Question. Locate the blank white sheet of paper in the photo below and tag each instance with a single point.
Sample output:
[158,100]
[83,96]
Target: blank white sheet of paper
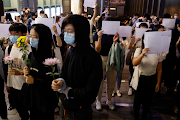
[4,30]
[125,31]
[110,27]
[140,31]
[168,22]
[156,42]
[46,21]
[138,23]
[90,3]
[33,22]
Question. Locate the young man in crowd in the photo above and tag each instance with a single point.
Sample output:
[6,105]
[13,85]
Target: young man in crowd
[16,79]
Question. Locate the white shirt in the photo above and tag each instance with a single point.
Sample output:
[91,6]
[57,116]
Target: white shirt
[16,81]
[149,62]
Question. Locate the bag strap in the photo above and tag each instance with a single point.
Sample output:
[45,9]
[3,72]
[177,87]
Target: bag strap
[9,49]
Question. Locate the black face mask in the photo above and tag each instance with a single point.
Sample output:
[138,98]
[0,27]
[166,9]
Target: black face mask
[160,23]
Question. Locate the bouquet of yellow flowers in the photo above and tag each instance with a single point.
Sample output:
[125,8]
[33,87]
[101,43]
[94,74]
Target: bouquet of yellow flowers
[21,41]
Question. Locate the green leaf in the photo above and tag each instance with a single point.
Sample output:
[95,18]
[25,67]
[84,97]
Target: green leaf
[53,69]
[28,61]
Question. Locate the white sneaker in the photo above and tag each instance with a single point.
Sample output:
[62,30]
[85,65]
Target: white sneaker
[113,94]
[111,106]
[98,105]
[119,93]
[130,91]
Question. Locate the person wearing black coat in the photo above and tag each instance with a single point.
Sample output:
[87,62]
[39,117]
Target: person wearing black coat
[82,72]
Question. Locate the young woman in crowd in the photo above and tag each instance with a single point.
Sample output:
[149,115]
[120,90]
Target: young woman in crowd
[150,66]
[8,18]
[103,43]
[82,71]
[42,98]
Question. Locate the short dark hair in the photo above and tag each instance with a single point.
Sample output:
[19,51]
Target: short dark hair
[42,12]
[84,12]
[8,17]
[157,27]
[18,27]
[147,16]
[143,25]
[167,15]
[136,14]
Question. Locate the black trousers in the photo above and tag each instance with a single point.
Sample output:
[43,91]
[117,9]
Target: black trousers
[178,100]
[144,95]
[23,112]
[3,107]
[36,114]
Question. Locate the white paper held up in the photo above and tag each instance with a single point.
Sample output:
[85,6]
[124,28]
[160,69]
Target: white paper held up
[168,22]
[90,3]
[46,21]
[110,27]
[125,31]
[4,30]
[140,31]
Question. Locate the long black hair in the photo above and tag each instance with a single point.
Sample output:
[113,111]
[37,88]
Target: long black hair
[82,29]
[45,41]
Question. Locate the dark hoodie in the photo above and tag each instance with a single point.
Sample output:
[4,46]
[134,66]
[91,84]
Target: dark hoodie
[82,70]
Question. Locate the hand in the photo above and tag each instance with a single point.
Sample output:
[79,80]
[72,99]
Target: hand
[54,29]
[145,50]
[26,71]
[157,88]
[29,79]
[116,37]
[96,4]
[137,40]
[56,85]
[100,33]
[13,72]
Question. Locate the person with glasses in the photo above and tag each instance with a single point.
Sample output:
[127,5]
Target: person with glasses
[81,73]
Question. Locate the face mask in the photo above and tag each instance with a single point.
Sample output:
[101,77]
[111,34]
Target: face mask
[14,39]
[69,38]
[25,18]
[160,23]
[34,42]
[175,16]
[26,11]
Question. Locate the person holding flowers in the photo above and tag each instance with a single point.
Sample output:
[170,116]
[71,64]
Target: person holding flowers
[15,78]
[81,73]
[40,73]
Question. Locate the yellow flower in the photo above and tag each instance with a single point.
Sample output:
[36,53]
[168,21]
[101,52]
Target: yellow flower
[24,50]
[21,39]
[25,43]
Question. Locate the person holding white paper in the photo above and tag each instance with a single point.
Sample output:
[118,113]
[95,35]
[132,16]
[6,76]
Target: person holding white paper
[149,80]
[91,22]
[103,43]
[138,42]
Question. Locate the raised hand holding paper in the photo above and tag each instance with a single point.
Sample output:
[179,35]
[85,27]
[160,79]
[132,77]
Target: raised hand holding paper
[125,31]
[157,42]
[140,31]
[90,3]
[110,27]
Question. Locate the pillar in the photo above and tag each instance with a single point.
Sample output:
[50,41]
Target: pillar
[1,9]
[76,6]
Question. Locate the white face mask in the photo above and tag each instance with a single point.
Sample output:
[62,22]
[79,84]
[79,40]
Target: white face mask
[175,16]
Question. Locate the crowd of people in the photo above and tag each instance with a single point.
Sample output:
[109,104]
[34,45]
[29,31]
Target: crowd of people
[89,57]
